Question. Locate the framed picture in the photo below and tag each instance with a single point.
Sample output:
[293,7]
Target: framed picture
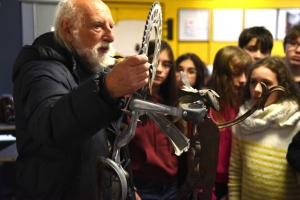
[287,18]
[261,17]
[227,24]
[193,25]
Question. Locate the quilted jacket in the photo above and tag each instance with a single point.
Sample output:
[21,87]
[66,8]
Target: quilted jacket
[61,115]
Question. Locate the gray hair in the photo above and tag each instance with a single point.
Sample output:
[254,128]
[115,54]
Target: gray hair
[66,9]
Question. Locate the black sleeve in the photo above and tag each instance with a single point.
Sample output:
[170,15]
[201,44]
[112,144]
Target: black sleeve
[293,154]
[103,92]
[60,112]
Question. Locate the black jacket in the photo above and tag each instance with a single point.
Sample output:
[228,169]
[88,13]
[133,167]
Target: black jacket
[60,122]
[293,154]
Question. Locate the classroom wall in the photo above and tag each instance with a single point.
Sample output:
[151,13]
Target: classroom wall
[11,23]
[207,49]
[10,41]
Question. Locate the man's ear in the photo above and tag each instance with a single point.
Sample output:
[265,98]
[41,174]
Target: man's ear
[65,27]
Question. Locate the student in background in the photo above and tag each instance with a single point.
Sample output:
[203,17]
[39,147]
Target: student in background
[194,69]
[153,161]
[258,167]
[292,52]
[228,79]
[257,41]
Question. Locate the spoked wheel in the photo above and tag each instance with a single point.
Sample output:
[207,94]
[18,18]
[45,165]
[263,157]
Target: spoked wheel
[114,177]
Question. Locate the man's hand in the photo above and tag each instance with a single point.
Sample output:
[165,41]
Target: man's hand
[128,76]
[137,196]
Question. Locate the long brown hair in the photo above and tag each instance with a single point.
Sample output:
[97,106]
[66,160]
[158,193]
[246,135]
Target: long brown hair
[168,88]
[228,61]
[200,68]
[284,78]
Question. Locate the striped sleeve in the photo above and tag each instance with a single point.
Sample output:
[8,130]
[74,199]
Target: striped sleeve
[235,168]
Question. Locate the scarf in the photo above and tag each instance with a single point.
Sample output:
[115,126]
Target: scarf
[279,115]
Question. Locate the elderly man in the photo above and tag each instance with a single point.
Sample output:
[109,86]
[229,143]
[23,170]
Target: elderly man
[291,47]
[66,95]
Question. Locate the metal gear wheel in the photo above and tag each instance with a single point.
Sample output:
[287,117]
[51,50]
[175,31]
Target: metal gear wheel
[112,169]
[153,22]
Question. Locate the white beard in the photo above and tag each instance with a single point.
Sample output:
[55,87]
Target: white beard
[91,57]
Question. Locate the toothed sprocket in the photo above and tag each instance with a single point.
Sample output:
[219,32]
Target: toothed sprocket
[154,21]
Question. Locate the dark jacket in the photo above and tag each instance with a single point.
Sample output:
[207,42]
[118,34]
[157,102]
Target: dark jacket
[293,154]
[60,121]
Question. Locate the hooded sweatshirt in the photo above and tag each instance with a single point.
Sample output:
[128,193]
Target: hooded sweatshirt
[152,154]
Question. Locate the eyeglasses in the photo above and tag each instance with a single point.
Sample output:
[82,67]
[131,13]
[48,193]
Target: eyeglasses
[164,63]
[293,45]
[190,71]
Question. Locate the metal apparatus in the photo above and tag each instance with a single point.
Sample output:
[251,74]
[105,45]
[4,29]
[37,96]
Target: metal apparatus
[113,167]
[203,145]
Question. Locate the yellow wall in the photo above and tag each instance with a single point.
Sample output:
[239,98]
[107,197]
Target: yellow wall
[206,50]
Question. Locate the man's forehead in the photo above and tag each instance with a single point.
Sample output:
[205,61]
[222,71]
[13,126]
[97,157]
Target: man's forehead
[96,9]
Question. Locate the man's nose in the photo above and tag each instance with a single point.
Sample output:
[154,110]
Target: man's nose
[108,35]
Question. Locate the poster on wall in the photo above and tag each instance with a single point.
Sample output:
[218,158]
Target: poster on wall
[287,18]
[227,24]
[193,25]
[261,17]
